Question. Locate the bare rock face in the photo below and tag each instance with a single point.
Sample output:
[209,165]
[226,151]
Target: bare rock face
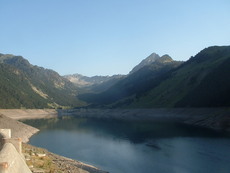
[18,129]
[150,59]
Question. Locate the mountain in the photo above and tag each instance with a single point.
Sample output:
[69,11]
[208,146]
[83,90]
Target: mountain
[84,81]
[94,83]
[147,61]
[139,80]
[28,86]
[202,81]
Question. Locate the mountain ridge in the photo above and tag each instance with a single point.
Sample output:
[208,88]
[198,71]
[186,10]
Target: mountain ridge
[134,82]
[151,59]
[81,80]
[31,86]
[184,87]
[202,81]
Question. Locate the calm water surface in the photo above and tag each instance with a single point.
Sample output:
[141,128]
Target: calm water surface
[135,147]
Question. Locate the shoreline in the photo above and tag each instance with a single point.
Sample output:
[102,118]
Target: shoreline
[9,120]
[22,114]
[18,129]
[213,118]
[40,159]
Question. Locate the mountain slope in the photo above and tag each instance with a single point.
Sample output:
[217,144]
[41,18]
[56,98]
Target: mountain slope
[94,83]
[202,81]
[15,91]
[147,61]
[214,89]
[25,85]
[84,81]
[135,83]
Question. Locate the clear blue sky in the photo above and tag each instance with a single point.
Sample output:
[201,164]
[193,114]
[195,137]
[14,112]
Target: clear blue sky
[105,37]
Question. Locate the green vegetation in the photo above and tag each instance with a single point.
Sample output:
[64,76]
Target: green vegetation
[134,84]
[202,81]
[23,85]
[15,91]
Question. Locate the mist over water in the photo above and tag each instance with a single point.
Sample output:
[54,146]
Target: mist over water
[135,146]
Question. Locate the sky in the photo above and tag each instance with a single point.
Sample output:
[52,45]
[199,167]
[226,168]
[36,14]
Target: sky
[107,37]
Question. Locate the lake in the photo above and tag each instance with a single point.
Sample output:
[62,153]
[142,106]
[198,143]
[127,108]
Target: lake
[135,146]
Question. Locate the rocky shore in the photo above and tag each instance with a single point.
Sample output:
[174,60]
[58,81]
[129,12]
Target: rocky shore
[213,118]
[41,160]
[29,113]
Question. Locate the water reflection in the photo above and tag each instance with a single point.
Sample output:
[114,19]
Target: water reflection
[135,131]
[135,146]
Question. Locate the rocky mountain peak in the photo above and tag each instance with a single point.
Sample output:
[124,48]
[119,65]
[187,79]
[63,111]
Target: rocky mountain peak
[165,58]
[4,57]
[149,60]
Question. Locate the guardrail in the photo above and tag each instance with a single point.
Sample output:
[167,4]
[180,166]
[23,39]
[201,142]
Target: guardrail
[11,158]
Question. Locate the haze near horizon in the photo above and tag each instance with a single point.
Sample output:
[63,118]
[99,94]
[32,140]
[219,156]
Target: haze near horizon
[109,37]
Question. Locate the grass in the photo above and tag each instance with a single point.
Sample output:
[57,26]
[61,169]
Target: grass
[35,162]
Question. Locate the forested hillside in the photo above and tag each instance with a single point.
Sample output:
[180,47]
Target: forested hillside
[142,78]
[26,86]
[202,81]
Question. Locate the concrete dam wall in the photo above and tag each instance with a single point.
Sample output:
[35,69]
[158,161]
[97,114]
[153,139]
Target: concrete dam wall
[11,158]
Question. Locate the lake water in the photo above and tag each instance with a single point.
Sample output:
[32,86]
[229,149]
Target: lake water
[135,147]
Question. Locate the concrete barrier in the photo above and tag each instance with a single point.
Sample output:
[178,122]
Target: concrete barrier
[11,158]
[11,161]
[6,133]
